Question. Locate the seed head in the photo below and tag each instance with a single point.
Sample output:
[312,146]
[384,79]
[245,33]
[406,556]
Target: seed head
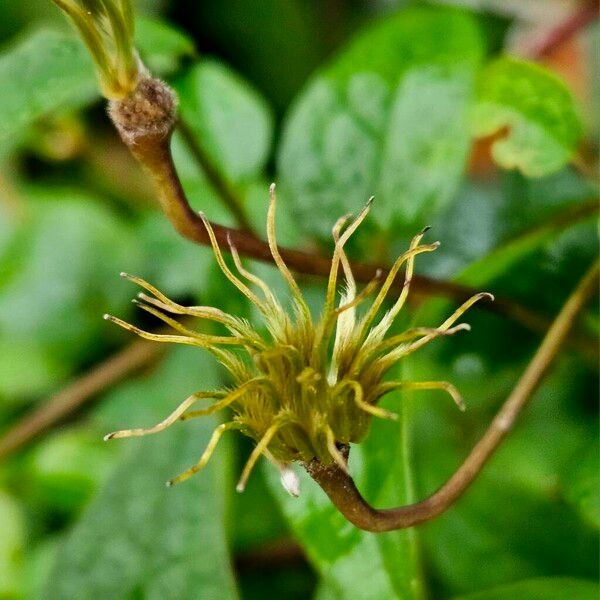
[310,386]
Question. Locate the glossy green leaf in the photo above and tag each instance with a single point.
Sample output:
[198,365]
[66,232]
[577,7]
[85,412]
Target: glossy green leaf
[503,258]
[231,128]
[535,107]
[387,117]
[137,537]
[50,70]
[229,120]
[494,224]
[550,588]
[515,514]
[516,492]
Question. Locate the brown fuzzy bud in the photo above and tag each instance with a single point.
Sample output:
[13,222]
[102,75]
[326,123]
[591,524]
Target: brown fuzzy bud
[149,111]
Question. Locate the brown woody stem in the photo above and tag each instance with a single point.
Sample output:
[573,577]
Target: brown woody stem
[150,145]
[342,491]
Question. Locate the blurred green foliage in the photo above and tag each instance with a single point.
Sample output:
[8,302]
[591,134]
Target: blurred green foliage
[543,127]
[388,117]
[393,113]
[51,70]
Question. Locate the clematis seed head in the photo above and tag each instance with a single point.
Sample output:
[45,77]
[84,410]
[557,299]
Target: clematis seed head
[310,385]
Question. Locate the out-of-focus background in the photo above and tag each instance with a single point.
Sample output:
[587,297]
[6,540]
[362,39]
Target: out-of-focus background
[335,100]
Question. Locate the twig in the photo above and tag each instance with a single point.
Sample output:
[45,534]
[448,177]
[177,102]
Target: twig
[342,491]
[219,184]
[153,152]
[574,23]
[102,376]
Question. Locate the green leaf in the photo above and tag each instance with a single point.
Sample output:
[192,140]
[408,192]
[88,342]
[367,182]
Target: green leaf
[12,542]
[548,588]
[387,117]
[515,514]
[39,560]
[326,591]
[138,538]
[503,258]
[50,70]
[582,483]
[537,109]
[229,120]
[65,469]
[354,563]
[162,45]
[27,367]
[231,127]
[493,224]
[57,277]
[46,71]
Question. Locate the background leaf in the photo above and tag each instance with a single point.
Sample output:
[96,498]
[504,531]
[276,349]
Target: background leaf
[51,71]
[231,127]
[57,277]
[582,483]
[540,589]
[161,45]
[229,119]
[493,225]
[64,471]
[537,109]
[12,523]
[137,537]
[46,71]
[388,118]
[521,489]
